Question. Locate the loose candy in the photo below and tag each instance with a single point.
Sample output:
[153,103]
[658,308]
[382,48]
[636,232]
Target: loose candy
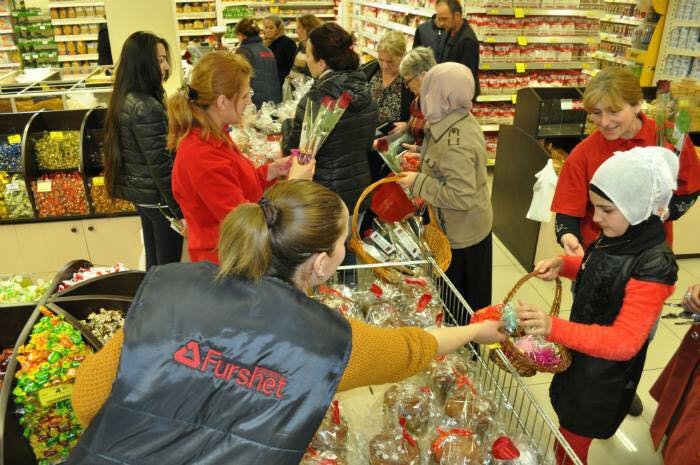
[14,197]
[18,289]
[58,150]
[104,323]
[103,203]
[10,157]
[60,194]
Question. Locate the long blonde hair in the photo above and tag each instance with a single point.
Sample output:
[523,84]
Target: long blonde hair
[216,73]
[616,86]
[294,220]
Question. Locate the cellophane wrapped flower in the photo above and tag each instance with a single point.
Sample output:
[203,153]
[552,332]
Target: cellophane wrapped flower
[319,122]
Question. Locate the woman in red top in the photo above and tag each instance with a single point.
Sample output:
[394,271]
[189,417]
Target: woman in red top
[613,100]
[211,176]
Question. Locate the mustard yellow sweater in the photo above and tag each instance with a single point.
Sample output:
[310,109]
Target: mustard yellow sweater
[379,355]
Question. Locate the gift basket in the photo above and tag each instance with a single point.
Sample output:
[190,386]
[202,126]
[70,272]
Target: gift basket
[527,354]
[466,408]
[390,201]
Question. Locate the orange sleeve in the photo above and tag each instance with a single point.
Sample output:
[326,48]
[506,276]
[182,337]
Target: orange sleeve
[624,338]
[689,169]
[94,379]
[386,355]
[570,266]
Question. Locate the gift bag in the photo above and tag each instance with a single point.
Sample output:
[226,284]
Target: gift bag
[542,195]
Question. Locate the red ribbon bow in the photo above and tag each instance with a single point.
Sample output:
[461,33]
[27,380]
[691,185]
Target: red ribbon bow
[335,409]
[376,290]
[436,447]
[423,302]
[406,435]
[463,380]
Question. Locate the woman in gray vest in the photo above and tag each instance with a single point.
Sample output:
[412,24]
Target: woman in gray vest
[237,365]
[265,80]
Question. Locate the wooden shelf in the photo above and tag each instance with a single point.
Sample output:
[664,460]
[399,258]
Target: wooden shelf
[71,38]
[68,21]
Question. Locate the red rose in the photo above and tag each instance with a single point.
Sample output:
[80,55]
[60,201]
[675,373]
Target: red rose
[328,102]
[344,100]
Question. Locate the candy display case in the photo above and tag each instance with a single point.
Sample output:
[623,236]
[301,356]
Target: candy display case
[14,198]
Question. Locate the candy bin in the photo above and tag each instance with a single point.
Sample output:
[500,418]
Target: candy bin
[102,202]
[58,150]
[104,323]
[60,194]
[19,289]
[11,155]
[4,361]
[44,383]
[14,197]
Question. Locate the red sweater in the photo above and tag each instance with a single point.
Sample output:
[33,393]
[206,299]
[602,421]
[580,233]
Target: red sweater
[211,178]
[623,339]
[571,195]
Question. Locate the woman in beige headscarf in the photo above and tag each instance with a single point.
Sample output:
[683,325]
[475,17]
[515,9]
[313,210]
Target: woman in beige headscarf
[452,178]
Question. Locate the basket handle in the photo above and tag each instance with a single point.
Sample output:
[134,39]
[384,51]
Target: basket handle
[556,304]
[361,199]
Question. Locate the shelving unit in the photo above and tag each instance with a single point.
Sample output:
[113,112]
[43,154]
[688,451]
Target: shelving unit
[76,26]
[9,56]
[679,50]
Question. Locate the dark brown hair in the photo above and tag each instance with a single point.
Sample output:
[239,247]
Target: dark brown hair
[248,27]
[309,21]
[333,44]
[294,220]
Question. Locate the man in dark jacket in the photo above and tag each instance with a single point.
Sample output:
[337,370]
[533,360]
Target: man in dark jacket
[461,44]
[430,34]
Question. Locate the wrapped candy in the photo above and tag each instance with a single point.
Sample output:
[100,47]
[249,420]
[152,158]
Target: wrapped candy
[332,434]
[411,403]
[18,289]
[87,273]
[60,194]
[58,150]
[339,297]
[4,361]
[13,192]
[44,383]
[11,156]
[506,313]
[455,446]
[444,372]
[394,447]
[104,324]
[538,349]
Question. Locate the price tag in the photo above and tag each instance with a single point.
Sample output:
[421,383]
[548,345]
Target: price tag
[520,67]
[547,66]
[274,9]
[485,66]
[519,12]
[493,11]
[12,187]
[14,139]
[56,135]
[587,66]
[43,186]
[566,104]
[514,98]
[98,181]
[51,395]
[490,40]
[590,41]
[522,40]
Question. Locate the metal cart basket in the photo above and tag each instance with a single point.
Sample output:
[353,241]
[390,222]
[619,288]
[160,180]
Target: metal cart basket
[517,406]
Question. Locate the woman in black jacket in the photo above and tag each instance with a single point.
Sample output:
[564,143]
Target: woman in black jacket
[138,164]
[341,162]
[282,46]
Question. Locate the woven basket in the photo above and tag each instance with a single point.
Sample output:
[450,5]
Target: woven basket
[433,236]
[523,365]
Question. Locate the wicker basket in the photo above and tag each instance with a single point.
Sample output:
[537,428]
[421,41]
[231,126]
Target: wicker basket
[523,365]
[433,236]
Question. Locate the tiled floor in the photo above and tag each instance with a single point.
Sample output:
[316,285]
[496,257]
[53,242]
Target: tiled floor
[631,445]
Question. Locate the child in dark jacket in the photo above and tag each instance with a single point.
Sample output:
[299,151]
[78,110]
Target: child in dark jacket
[621,284]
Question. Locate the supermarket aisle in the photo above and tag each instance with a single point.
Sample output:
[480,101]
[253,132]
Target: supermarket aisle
[631,445]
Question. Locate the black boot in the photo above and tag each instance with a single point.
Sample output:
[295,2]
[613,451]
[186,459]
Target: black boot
[636,408]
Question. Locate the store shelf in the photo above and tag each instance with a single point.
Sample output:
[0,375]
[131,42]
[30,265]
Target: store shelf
[369,36]
[193,32]
[683,52]
[6,31]
[490,127]
[5,13]
[234,20]
[686,23]
[200,15]
[369,52]
[524,40]
[605,56]
[615,39]
[9,65]
[617,19]
[275,4]
[388,24]
[668,77]
[535,65]
[496,98]
[8,48]
[84,57]
[71,38]
[625,2]
[74,4]
[194,1]
[522,12]
[408,9]
[324,15]
[67,21]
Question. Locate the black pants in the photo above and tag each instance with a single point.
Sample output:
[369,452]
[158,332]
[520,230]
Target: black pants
[163,245]
[470,271]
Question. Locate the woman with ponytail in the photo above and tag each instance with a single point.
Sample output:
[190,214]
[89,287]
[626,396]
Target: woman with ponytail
[246,364]
[138,164]
[212,176]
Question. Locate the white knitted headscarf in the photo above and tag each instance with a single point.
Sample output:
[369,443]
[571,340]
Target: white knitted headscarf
[640,181]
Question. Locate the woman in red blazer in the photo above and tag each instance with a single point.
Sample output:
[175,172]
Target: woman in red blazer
[211,175]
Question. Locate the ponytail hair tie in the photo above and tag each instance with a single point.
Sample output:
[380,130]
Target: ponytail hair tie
[270,212]
[191,93]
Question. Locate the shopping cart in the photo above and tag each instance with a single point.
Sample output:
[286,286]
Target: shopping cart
[518,409]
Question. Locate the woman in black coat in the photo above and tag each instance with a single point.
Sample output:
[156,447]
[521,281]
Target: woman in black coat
[282,46]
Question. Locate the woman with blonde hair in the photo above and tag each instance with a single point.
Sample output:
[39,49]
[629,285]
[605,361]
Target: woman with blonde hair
[211,175]
[236,364]
[305,24]
[282,46]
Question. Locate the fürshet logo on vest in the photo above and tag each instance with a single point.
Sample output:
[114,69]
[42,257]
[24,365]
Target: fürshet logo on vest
[263,380]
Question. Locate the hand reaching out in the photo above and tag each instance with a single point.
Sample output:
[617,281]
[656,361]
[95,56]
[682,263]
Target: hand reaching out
[535,321]
[572,247]
[548,270]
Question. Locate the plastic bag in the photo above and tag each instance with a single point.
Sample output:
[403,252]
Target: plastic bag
[543,194]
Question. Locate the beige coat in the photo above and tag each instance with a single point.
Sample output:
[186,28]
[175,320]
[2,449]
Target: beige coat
[452,178]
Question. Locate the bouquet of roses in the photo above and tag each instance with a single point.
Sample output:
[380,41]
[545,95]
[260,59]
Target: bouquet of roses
[319,121]
[392,151]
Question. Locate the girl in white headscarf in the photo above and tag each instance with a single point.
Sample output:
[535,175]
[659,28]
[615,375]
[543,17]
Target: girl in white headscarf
[452,178]
[621,284]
